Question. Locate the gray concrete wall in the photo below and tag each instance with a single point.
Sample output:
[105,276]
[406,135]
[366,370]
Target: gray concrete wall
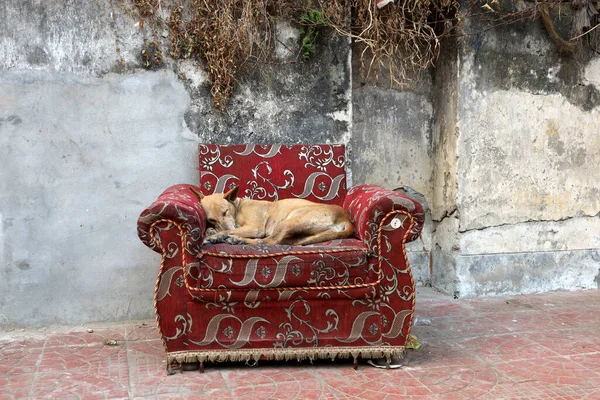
[81,157]
[500,141]
[526,156]
[392,147]
[444,180]
[87,142]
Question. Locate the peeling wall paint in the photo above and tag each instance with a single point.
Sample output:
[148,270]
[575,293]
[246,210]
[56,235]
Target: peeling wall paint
[525,214]
[541,153]
[87,142]
[501,140]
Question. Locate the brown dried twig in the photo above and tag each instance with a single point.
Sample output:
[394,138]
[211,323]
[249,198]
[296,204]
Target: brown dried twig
[400,38]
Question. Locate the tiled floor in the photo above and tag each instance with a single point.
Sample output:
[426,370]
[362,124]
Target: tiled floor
[519,347]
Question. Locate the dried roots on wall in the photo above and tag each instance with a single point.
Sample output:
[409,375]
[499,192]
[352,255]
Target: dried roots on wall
[401,38]
[227,35]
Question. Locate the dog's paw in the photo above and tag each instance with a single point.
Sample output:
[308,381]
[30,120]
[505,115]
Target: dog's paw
[223,238]
[210,232]
[234,240]
[215,239]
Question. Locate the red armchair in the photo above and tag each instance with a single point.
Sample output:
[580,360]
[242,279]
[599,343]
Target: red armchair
[344,298]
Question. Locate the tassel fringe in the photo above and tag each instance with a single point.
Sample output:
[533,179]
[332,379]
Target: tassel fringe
[252,356]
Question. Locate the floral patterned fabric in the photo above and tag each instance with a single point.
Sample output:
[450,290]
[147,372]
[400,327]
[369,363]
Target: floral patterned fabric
[341,265]
[368,206]
[275,172]
[177,204]
[344,298]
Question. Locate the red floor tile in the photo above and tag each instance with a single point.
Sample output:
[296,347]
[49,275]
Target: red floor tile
[16,386]
[266,375]
[312,389]
[590,361]
[471,381]
[78,385]
[370,383]
[19,360]
[442,309]
[143,331]
[569,341]
[528,390]
[495,305]
[526,347]
[502,348]
[560,300]
[98,360]
[83,337]
[552,370]
[471,325]
[20,342]
[531,321]
[435,353]
[214,394]
[148,375]
[582,317]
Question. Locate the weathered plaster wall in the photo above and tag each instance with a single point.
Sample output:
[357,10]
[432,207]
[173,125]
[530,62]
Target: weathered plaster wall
[81,157]
[392,147]
[527,154]
[500,142]
[286,101]
[444,180]
[87,142]
[445,132]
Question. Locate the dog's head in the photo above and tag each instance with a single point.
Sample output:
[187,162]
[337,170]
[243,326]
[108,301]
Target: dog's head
[220,208]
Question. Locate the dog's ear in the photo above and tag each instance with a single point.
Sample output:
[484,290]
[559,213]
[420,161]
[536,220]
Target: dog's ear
[232,194]
[198,194]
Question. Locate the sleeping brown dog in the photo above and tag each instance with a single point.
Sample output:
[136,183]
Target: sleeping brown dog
[289,221]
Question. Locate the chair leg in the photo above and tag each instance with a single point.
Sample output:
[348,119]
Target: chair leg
[201,369]
[174,367]
[355,366]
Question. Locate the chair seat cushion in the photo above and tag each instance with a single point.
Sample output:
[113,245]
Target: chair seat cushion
[338,264]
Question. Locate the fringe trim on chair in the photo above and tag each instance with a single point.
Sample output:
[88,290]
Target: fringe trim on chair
[298,354]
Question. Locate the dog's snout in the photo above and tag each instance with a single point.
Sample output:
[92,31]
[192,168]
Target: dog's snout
[229,224]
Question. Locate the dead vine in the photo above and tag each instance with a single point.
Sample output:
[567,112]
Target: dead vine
[585,19]
[401,38]
[226,34]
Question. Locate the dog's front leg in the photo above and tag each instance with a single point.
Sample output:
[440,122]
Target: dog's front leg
[235,236]
[244,235]
[247,232]
[216,237]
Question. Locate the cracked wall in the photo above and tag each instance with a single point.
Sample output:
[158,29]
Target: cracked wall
[86,143]
[88,138]
[500,140]
[527,152]
[392,147]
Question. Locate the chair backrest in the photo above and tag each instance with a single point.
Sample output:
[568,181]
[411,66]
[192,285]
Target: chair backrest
[314,172]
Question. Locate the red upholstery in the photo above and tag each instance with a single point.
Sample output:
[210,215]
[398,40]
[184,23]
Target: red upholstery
[344,298]
[340,265]
[275,172]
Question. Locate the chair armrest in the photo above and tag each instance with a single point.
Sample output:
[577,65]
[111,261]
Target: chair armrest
[385,221]
[177,205]
[174,226]
[371,206]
